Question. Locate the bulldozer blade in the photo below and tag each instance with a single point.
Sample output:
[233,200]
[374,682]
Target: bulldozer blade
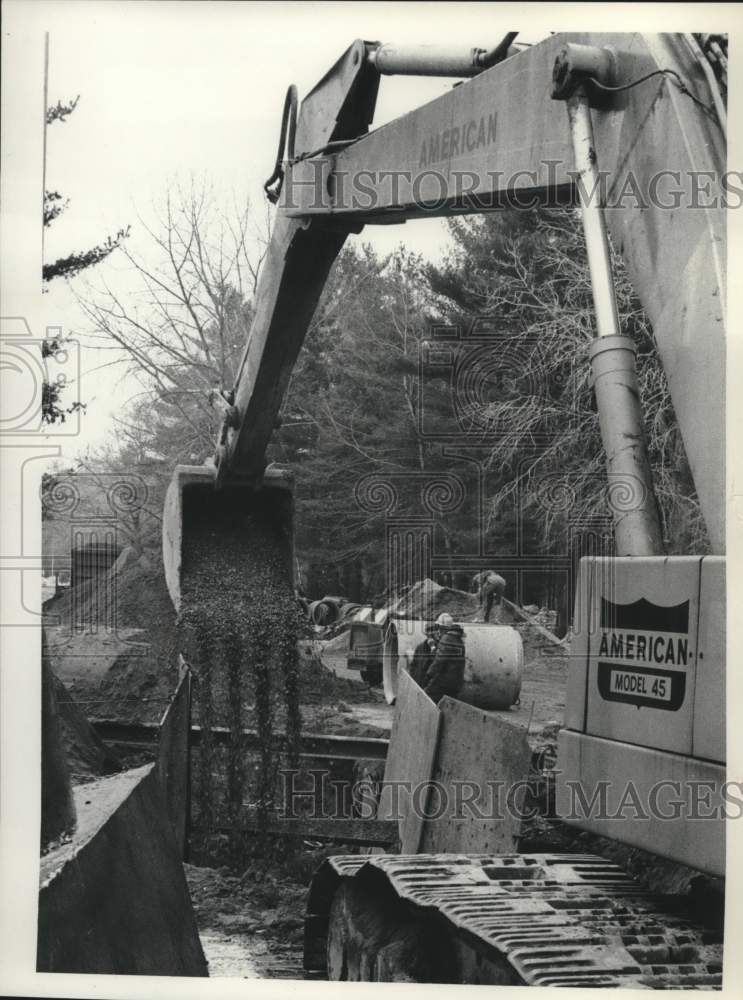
[191,481]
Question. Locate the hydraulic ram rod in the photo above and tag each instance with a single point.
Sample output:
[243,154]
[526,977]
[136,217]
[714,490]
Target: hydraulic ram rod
[631,495]
[436,60]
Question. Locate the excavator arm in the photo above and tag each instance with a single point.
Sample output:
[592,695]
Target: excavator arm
[504,137]
[293,275]
[295,269]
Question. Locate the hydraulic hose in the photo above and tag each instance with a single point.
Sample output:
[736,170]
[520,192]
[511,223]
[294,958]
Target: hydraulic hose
[272,187]
[499,53]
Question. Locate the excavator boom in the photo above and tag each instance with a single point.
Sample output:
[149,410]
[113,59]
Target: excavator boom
[498,138]
[502,138]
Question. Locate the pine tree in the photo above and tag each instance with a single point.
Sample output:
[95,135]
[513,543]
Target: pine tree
[527,270]
[52,410]
[55,204]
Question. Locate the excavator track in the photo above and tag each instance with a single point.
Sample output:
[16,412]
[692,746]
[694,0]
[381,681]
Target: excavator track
[549,919]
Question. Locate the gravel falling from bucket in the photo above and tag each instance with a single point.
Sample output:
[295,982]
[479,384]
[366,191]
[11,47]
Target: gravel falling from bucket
[239,624]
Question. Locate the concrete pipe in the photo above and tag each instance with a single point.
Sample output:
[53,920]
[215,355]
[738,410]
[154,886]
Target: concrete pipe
[493,667]
[494,661]
[326,611]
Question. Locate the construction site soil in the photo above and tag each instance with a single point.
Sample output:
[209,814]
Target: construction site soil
[251,922]
[427,599]
[124,668]
[250,912]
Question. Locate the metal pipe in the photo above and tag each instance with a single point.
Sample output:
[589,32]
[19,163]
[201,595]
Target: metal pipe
[594,227]
[286,144]
[631,495]
[494,661]
[425,60]
[575,61]
[438,60]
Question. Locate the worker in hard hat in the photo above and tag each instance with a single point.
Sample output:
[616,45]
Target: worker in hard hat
[490,587]
[445,675]
[423,654]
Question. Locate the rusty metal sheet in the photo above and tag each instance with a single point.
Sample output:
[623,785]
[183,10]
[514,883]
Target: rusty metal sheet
[173,759]
[410,759]
[481,766]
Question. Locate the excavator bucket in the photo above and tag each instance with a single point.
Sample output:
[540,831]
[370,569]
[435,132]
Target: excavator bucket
[202,522]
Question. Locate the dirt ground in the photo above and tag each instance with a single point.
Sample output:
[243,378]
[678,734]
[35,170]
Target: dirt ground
[251,921]
[250,925]
[123,669]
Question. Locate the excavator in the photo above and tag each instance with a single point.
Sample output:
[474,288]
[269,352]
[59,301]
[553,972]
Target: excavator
[631,128]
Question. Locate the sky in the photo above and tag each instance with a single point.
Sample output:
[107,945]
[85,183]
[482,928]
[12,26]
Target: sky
[171,90]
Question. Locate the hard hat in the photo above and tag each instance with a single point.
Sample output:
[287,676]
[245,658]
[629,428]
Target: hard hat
[444,619]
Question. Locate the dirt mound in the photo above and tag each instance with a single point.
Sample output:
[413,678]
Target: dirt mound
[318,685]
[87,755]
[327,699]
[427,600]
[118,655]
[139,600]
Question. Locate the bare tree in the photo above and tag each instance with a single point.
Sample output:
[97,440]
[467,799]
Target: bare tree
[179,329]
